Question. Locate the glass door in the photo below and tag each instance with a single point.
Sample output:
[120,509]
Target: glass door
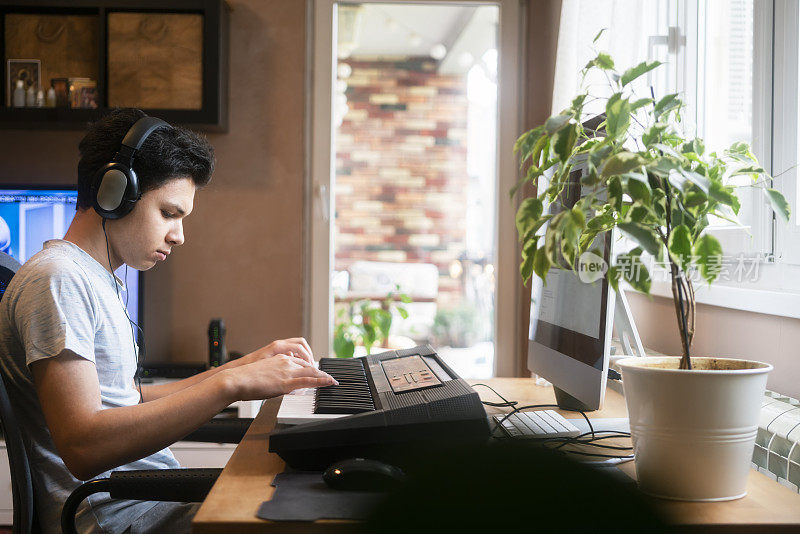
[415,192]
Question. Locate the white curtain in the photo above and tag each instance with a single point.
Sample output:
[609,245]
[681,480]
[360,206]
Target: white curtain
[628,23]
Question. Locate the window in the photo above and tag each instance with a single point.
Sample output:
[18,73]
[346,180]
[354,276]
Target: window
[736,64]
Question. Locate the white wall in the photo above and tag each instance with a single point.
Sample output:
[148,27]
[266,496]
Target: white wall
[724,332]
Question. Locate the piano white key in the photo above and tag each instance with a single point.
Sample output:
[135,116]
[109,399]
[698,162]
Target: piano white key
[299,408]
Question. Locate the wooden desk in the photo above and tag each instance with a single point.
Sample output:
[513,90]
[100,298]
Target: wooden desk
[245,483]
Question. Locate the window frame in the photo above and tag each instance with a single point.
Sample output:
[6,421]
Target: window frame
[320,170]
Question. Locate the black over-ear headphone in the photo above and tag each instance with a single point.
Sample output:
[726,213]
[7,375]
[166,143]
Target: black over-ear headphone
[115,189]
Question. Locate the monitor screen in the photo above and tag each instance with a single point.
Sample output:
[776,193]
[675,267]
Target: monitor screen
[30,215]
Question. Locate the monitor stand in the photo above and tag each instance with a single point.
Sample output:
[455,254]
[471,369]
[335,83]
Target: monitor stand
[566,401]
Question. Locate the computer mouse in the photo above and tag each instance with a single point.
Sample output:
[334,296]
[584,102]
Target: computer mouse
[363,474]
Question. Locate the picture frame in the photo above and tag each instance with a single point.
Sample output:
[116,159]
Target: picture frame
[26,69]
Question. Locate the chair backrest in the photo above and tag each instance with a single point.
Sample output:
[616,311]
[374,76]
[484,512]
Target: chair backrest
[21,482]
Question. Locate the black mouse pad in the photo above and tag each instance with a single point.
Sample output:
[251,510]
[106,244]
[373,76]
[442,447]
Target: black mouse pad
[303,496]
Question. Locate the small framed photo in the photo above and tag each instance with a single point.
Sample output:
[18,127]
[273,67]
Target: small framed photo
[27,70]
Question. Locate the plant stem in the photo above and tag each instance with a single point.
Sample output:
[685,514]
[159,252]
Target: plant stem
[677,286]
[680,312]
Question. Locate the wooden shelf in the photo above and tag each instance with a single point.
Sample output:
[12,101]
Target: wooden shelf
[212,114]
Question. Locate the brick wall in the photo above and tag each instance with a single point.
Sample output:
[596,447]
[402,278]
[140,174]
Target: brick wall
[401,173]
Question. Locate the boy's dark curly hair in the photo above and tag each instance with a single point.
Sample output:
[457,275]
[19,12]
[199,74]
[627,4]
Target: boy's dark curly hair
[167,154]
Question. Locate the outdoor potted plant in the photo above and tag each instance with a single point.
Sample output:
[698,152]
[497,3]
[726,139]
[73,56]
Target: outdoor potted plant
[367,323]
[693,419]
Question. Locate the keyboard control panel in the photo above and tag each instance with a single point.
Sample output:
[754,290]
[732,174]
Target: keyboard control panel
[409,373]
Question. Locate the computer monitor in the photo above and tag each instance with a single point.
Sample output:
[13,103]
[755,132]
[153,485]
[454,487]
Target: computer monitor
[569,339]
[31,215]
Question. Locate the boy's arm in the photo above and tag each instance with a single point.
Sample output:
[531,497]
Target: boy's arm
[92,440]
[297,346]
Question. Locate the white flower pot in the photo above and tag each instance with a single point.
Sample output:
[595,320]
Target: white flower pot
[693,431]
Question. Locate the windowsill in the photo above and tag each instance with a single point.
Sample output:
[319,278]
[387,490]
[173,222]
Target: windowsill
[782,303]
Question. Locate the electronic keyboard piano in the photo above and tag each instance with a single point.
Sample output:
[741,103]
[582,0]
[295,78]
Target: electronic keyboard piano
[386,406]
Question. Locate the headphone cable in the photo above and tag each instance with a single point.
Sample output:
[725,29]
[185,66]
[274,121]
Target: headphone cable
[136,376]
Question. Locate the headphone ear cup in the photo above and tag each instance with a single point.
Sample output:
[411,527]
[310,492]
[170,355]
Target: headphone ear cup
[110,198]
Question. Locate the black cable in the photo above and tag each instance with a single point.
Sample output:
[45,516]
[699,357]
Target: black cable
[626,457]
[500,404]
[125,309]
[576,440]
[505,400]
[591,442]
[515,409]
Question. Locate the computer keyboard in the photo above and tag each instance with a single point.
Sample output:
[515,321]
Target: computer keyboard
[537,424]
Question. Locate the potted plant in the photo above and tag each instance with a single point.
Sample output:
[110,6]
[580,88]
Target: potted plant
[693,420]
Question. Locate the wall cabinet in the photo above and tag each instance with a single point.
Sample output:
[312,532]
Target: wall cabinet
[167,57]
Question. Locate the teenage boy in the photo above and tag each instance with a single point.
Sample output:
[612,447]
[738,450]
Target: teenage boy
[67,348]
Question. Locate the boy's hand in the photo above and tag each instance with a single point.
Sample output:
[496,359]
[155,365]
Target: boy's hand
[296,346]
[273,376]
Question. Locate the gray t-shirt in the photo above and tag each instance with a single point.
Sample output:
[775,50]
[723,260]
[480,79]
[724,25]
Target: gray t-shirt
[63,299]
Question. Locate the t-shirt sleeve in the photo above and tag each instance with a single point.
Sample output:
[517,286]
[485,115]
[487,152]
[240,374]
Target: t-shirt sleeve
[56,311]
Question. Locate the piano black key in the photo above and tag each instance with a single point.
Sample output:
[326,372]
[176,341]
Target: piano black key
[352,395]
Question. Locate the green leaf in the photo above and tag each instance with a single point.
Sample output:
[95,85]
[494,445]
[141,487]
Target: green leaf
[622,163]
[640,103]
[643,235]
[528,139]
[528,252]
[639,191]
[577,217]
[614,276]
[586,240]
[591,178]
[695,146]
[753,170]
[618,116]
[598,153]
[402,311]
[564,141]
[632,269]
[639,213]
[602,61]
[708,256]
[556,122]
[663,166]
[667,103]
[541,263]
[539,151]
[652,135]
[779,204]
[659,203]
[529,212]
[694,199]
[669,151]
[601,222]
[697,179]
[634,72]
[343,345]
[615,192]
[680,246]
[577,103]
[552,234]
[596,37]
[725,195]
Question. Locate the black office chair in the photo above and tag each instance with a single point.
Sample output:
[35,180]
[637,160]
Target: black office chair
[175,485]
